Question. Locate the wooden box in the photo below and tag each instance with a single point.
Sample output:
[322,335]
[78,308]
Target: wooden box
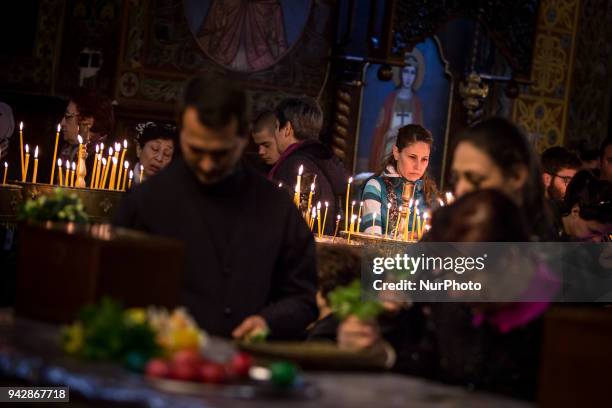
[62,267]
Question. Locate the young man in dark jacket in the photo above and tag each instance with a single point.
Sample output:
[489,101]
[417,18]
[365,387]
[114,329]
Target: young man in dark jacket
[300,121]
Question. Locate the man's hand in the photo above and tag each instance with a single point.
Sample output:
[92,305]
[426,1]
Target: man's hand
[354,334]
[250,326]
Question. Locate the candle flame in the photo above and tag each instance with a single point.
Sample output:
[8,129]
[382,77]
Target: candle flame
[97,149]
[353,203]
[80,139]
[416,203]
[141,167]
[126,164]
[353,218]
[104,161]
[410,203]
[441,202]
[73,166]
[59,128]
[418,212]
[27,148]
[125,143]
[361,204]
[350,180]
[338,217]
[425,215]
[59,162]
[101,147]
[114,160]
[131,174]
[319,205]
[326,204]
[20,126]
[301,170]
[36,153]
[110,151]
[67,165]
[5,164]
[280,185]
[312,187]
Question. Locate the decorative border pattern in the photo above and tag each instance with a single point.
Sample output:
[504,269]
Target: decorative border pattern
[541,109]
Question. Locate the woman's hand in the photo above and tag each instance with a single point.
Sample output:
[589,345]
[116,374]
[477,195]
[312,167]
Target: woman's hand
[354,334]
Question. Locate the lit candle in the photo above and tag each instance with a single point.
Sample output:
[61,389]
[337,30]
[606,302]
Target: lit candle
[130,180]
[449,197]
[298,187]
[313,215]
[336,229]
[359,215]
[414,214]
[425,218]
[418,224]
[141,173]
[441,202]
[325,215]
[111,183]
[51,180]
[67,175]
[92,181]
[24,175]
[21,150]
[280,185]
[348,194]
[79,152]
[387,223]
[399,217]
[122,160]
[108,163]
[319,218]
[35,165]
[126,165]
[352,207]
[353,218]
[407,220]
[72,173]
[312,187]
[5,170]
[113,175]
[104,173]
[59,168]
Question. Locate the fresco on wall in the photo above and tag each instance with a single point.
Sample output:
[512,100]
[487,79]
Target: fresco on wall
[246,36]
[419,93]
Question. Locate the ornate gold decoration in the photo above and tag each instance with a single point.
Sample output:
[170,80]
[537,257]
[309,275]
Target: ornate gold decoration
[473,91]
[541,109]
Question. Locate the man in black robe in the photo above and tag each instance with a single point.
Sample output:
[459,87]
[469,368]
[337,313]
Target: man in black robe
[250,258]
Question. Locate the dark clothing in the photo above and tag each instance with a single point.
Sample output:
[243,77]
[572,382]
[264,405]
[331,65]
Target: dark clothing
[332,178]
[451,349]
[324,329]
[247,249]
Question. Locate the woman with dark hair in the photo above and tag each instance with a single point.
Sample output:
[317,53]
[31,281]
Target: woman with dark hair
[90,115]
[155,148]
[495,154]
[487,346]
[588,209]
[407,163]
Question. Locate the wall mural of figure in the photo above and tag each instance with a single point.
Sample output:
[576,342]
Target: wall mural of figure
[419,94]
[401,107]
[246,35]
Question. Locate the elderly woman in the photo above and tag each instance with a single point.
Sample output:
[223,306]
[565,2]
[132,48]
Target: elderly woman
[155,149]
